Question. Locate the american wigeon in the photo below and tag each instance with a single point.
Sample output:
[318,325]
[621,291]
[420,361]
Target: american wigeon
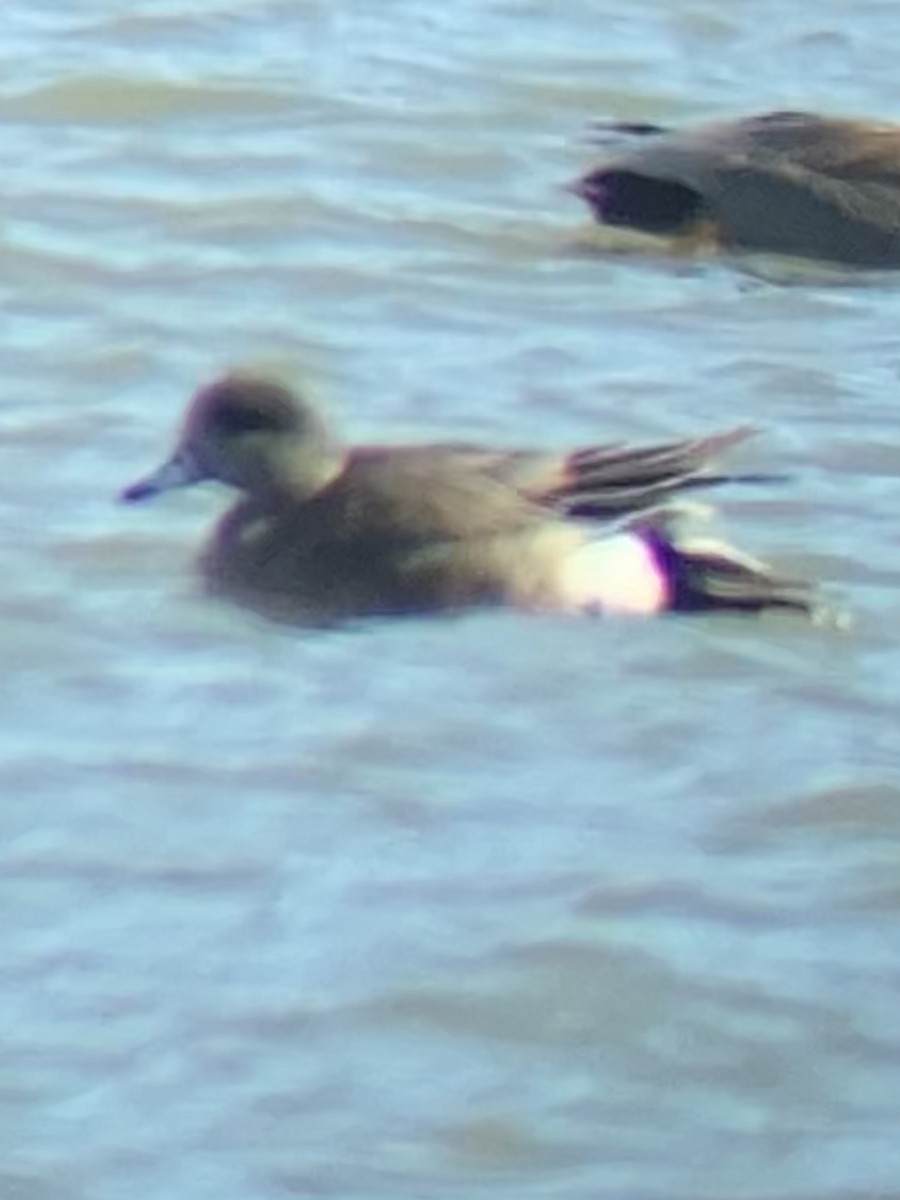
[324,532]
[787,183]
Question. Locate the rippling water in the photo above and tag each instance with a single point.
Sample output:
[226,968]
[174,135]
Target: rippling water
[491,906]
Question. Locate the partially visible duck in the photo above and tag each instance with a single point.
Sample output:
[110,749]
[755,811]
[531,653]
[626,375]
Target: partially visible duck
[322,531]
[786,183]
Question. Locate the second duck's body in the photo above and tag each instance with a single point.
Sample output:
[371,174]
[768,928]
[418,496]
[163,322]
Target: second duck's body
[787,183]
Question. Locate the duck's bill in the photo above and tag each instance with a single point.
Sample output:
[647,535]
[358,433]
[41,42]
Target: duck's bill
[180,471]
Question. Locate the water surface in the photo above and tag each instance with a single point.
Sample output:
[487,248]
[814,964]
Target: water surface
[496,906]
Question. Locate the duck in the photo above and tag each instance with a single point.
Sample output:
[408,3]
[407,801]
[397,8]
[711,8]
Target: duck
[793,184]
[322,532]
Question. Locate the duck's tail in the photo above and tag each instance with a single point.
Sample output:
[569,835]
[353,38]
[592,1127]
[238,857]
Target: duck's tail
[608,481]
[602,131]
[706,575]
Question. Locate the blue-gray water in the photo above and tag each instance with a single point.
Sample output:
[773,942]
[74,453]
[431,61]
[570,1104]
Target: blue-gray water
[499,906]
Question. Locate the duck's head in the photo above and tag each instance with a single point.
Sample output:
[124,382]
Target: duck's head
[253,434]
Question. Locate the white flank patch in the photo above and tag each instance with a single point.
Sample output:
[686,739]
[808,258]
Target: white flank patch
[618,574]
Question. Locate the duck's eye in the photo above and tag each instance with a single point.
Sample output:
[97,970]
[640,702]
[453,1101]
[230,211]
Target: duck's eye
[233,419]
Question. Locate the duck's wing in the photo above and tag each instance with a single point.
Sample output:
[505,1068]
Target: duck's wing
[607,481]
[475,489]
[416,494]
[819,188]
[837,147]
